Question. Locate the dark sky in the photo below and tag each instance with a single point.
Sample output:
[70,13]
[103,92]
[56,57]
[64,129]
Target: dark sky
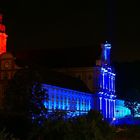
[41,24]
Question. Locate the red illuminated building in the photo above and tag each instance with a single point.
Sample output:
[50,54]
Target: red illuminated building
[3,37]
[7,63]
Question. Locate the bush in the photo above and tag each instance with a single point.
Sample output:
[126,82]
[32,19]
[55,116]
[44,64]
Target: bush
[86,127]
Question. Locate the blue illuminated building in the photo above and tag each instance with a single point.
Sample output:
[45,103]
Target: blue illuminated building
[72,101]
[101,95]
[105,91]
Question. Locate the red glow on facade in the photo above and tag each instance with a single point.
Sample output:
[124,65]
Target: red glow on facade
[3,37]
[2,28]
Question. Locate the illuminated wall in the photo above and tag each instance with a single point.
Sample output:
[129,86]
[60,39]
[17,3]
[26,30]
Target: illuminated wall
[74,102]
[3,37]
[121,111]
[105,96]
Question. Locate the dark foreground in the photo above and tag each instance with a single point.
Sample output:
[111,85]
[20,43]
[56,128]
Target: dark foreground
[127,132]
[89,127]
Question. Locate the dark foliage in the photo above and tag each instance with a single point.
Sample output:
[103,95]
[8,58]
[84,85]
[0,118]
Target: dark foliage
[86,127]
[25,94]
[128,132]
[133,106]
[24,102]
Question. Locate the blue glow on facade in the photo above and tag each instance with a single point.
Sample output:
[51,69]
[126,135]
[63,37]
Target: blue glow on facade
[109,83]
[106,53]
[100,98]
[103,81]
[120,110]
[69,100]
[109,108]
[78,103]
[106,91]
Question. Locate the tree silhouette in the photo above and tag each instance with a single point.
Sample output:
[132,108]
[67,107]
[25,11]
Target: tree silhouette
[132,101]
[86,127]
[25,95]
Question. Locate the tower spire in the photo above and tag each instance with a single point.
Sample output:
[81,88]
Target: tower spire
[105,58]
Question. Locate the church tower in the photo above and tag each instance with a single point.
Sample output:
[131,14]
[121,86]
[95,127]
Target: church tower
[105,79]
[7,64]
[3,37]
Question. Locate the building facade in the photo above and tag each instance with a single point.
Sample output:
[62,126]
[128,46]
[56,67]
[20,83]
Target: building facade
[72,101]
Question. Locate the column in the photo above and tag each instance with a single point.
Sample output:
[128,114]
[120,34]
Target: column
[67,103]
[84,104]
[103,81]
[109,82]
[49,102]
[77,103]
[106,80]
[59,99]
[54,98]
[109,109]
[106,108]
[81,106]
[114,109]
[63,98]
[100,104]
[114,83]
[89,105]
[103,107]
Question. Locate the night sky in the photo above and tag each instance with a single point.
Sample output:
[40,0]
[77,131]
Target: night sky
[41,24]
